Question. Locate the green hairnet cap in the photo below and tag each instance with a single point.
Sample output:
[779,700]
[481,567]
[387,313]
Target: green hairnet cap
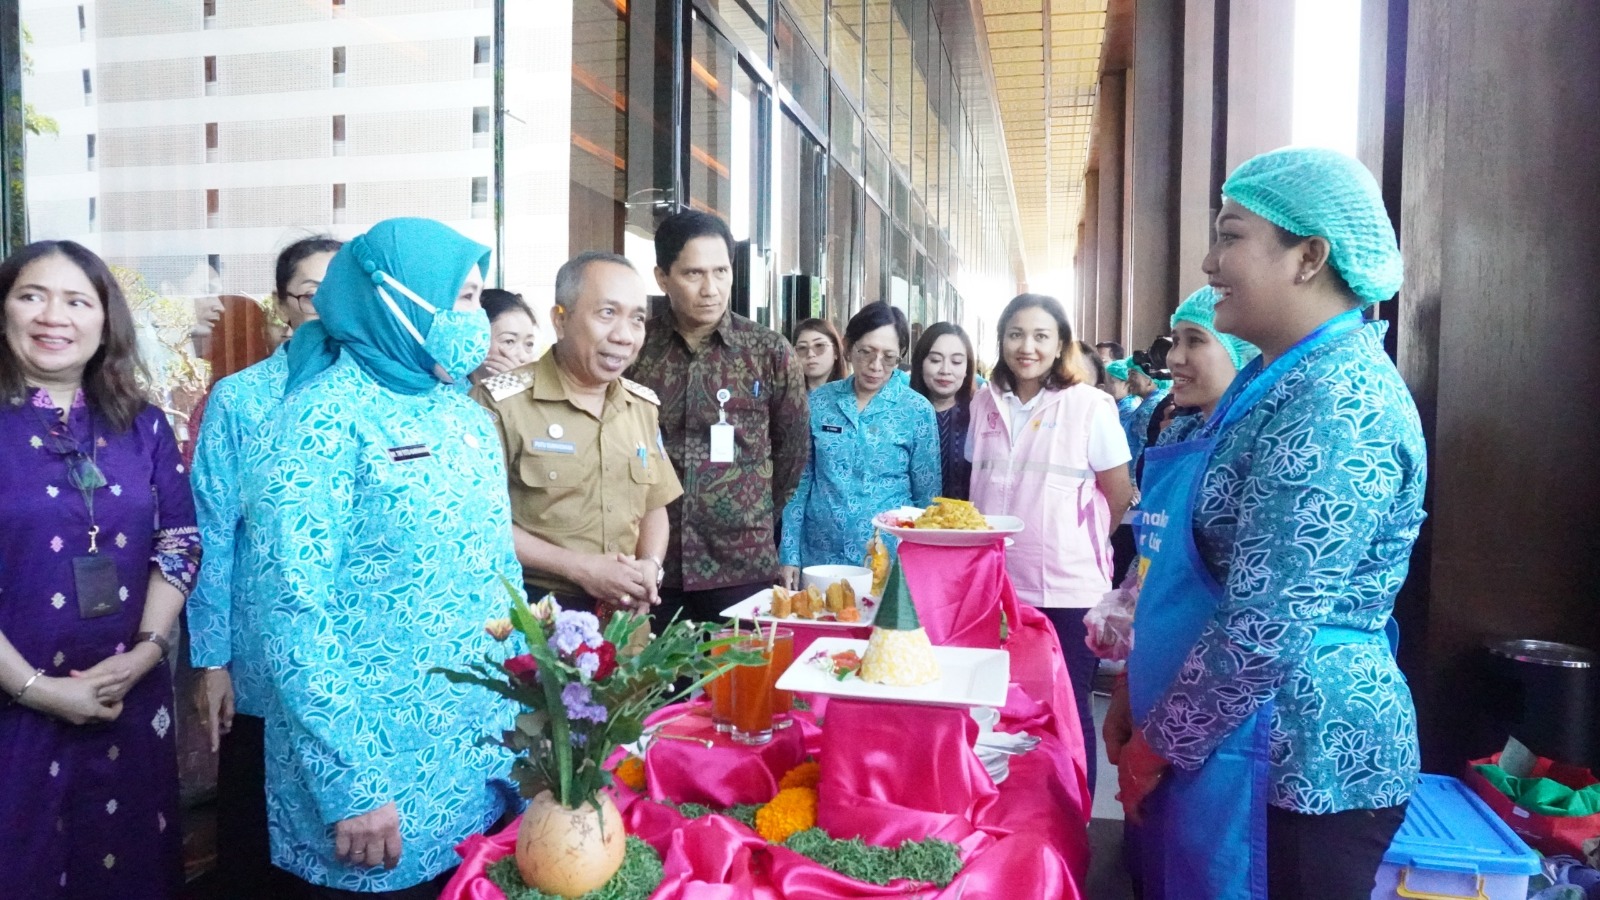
[1118,369]
[896,612]
[1316,192]
[1200,308]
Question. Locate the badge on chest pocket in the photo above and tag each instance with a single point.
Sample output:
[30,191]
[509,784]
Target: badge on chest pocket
[722,431]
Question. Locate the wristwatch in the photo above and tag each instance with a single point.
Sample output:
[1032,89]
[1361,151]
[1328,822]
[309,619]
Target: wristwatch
[161,642]
[661,571]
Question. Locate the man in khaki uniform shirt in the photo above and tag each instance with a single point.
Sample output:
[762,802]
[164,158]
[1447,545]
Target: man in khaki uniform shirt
[589,479]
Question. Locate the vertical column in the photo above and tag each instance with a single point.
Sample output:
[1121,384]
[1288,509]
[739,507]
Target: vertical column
[1197,194]
[1498,322]
[1088,296]
[1108,266]
[13,211]
[1260,77]
[1152,179]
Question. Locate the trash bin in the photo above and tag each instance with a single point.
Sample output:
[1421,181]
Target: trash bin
[1545,696]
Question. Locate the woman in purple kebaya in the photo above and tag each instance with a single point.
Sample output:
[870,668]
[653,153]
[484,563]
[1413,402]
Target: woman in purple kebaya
[98,550]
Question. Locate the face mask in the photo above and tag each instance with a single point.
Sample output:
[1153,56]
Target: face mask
[458,342]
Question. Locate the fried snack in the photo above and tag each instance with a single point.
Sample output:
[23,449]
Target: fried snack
[782,603]
[848,614]
[835,596]
[848,595]
[956,515]
[805,603]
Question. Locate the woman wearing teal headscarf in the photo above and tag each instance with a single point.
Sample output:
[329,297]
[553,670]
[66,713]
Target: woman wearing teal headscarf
[384,521]
[1275,741]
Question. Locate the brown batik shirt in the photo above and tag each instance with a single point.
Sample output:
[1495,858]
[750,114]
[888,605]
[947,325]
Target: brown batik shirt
[723,525]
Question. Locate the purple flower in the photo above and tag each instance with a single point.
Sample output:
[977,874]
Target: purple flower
[574,630]
[588,664]
[578,740]
[580,704]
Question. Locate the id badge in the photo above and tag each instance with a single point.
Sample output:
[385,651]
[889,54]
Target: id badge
[95,578]
[722,443]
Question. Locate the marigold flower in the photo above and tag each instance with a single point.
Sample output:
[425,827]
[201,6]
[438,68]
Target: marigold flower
[499,629]
[791,812]
[631,773]
[807,774]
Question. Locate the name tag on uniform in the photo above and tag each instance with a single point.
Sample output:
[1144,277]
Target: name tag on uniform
[409,452]
[833,429]
[722,443]
[544,446]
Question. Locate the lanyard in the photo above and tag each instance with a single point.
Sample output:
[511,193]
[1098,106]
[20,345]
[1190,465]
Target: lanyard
[1255,381]
[83,470]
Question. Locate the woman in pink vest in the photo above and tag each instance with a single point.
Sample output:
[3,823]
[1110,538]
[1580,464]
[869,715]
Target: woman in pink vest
[1046,445]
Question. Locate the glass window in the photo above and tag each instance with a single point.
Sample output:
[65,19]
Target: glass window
[900,93]
[723,115]
[798,216]
[747,24]
[800,70]
[844,45]
[810,16]
[598,173]
[877,171]
[844,244]
[878,75]
[872,254]
[845,134]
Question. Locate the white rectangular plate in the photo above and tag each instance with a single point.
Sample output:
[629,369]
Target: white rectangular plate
[755,607]
[968,676]
[999,526]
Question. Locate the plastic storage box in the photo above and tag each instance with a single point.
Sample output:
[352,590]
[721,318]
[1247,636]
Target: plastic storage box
[1452,846]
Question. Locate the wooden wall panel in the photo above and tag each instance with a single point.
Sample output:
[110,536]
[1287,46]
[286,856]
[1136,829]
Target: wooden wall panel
[1499,325]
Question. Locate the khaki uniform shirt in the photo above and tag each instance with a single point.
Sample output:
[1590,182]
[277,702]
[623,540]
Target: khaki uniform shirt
[576,481]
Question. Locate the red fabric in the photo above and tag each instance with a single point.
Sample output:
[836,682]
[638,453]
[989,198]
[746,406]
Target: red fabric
[889,772]
[1550,835]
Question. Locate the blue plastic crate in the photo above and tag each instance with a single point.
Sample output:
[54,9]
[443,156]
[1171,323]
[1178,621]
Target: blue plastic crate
[1453,846]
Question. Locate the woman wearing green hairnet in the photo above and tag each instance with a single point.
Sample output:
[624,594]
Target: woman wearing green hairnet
[1275,745]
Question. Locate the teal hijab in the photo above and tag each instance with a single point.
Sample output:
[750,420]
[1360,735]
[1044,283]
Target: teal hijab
[429,259]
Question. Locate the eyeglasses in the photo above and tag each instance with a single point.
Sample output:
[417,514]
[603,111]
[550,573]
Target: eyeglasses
[302,300]
[82,471]
[866,356]
[815,348]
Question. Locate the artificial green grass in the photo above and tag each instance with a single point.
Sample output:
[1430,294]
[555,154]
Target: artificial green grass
[638,878]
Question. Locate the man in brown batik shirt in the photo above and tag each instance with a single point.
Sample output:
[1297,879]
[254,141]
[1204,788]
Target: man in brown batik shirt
[712,369]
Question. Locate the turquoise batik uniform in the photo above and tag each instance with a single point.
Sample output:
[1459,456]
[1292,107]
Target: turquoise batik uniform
[1126,407]
[862,463]
[1305,518]
[223,613]
[388,534]
[1138,424]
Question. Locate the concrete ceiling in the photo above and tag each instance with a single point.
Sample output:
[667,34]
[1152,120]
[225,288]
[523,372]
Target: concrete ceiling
[1045,59]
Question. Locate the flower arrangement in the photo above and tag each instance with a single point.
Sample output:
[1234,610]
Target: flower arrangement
[585,690]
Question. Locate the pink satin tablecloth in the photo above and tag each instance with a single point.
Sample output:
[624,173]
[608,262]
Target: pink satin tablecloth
[890,772]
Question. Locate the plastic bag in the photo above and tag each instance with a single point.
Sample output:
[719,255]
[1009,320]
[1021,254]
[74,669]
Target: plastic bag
[1110,622]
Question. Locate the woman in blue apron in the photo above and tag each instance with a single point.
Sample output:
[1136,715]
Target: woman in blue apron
[1275,743]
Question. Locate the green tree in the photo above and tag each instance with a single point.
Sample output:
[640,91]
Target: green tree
[34,121]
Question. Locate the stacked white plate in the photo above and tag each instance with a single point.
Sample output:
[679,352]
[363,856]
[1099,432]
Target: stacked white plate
[995,748]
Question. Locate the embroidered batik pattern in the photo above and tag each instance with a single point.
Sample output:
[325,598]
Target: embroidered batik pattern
[1306,516]
[379,566]
[722,527]
[224,612]
[863,462]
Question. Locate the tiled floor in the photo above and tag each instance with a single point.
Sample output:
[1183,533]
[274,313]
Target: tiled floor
[1107,880]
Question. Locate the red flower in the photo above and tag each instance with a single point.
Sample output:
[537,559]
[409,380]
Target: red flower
[524,667]
[608,661]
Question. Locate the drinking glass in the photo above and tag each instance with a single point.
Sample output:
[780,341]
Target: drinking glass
[752,695]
